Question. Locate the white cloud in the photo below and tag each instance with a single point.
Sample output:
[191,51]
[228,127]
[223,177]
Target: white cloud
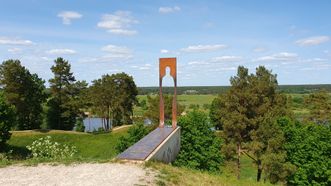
[198,63]
[203,48]
[226,59]
[283,56]
[259,49]
[14,50]
[67,16]
[116,53]
[164,51]
[116,49]
[166,10]
[311,41]
[14,41]
[61,51]
[118,23]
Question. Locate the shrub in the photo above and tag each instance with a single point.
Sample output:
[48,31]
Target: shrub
[308,147]
[80,127]
[200,147]
[45,148]
[7,120]
[135,133]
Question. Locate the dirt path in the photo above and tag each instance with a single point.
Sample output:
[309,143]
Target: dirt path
[78,174]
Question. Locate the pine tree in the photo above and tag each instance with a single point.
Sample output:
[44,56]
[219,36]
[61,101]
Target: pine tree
[25,91]
[62,113]
[248,112]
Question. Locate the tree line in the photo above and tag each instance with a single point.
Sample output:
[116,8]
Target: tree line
[110,97]
[290,89]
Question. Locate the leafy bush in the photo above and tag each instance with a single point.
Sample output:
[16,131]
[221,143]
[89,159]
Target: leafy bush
[80,125]
[200,147]
[135,133]
[7,120]
[45,148]
[308,147]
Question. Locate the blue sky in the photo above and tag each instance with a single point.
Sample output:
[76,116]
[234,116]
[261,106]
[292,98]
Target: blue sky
[209,38]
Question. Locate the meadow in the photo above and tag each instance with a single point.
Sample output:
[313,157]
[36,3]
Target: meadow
[297,102]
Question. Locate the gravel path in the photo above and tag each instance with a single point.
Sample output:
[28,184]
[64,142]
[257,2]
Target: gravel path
[77,174]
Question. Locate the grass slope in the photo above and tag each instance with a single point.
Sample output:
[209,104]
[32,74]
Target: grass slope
[90,147]
[170,175]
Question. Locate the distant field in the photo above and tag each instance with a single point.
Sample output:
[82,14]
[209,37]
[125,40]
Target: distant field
[297,103]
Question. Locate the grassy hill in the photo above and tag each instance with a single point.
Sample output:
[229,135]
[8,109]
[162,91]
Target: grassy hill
[100,147]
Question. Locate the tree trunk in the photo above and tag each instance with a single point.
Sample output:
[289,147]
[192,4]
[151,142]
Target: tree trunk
[259,170]
[238,161]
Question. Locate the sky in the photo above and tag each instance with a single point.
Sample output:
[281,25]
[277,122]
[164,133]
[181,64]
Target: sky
[210,39]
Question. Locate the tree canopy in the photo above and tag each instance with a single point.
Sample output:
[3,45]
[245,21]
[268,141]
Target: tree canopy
[112,97]
[247,114]
[62,110]
[25,91]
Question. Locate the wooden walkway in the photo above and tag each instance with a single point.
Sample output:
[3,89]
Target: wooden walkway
[144,147]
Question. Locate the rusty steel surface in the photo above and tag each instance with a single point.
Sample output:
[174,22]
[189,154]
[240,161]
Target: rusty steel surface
[172,64]
[144,147]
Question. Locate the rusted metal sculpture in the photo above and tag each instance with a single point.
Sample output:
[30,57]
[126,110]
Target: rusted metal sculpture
[172,64]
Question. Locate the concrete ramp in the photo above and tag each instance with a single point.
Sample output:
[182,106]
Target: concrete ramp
[162,144]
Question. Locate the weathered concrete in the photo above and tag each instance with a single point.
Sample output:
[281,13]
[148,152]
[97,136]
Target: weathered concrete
[168,150]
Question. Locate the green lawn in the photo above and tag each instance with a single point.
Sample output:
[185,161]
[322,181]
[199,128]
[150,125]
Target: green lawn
[100,147]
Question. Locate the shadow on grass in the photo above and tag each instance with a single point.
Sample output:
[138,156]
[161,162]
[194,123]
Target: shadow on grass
[16,152]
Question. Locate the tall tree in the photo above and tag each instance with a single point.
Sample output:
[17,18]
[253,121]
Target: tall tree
[248,112]
[62,113]
[319,104]
[126,97]
[112,97]
[25,91]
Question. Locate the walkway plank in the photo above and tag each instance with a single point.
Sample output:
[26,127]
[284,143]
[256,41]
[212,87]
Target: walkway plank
[144,147]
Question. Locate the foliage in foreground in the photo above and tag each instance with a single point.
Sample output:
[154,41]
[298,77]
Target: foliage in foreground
[45,148]
[200,148]
[7,120]
[308,147]
[135,133]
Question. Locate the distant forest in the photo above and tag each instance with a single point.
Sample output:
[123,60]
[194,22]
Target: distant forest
[291,89]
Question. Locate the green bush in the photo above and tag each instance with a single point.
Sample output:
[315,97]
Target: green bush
[200,147]
[45,148]
[308,147]
[135,133]
[80,125]
[7,120]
